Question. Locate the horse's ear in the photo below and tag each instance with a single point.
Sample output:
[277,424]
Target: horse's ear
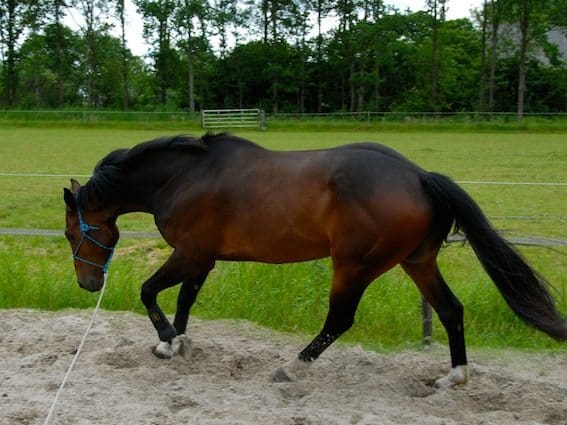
[69,199]
[75,186]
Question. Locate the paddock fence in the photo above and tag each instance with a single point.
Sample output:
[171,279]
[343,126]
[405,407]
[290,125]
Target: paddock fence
[196,119]
[426,310]
[93,117]
[233,118]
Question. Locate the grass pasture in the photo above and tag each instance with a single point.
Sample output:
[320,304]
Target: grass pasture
[36,272]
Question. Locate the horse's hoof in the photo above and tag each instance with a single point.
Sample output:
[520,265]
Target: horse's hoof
[282,375]
[182,345]
[291,371]
[163,351]
[457,376]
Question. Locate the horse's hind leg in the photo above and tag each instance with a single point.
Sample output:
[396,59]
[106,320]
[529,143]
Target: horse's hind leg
[427,277]
[346,291]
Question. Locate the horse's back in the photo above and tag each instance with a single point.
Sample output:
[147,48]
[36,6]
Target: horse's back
[278,206]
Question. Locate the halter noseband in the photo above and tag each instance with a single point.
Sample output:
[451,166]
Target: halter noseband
[84,229]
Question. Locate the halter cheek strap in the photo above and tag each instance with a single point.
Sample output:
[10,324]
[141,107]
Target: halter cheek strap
[84,229]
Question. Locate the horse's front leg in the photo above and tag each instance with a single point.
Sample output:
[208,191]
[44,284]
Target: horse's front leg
[193,274]
[166,277]
[187,296]
[175,270]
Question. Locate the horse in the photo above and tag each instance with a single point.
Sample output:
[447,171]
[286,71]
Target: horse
[221,197]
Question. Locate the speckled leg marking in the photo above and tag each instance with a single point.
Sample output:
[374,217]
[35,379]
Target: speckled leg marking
[348,286]
[458,375]
[297,368]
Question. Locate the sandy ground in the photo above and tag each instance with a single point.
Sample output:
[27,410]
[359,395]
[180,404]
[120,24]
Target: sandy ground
[118,381]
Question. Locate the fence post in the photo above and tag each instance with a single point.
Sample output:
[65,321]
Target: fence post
[427,323]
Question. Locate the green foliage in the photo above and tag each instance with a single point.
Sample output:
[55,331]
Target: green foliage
[375,58]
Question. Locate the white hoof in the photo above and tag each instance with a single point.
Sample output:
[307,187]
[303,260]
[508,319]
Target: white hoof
[163,350]
[291,371]
[182,345]
[179,345]
[458,375]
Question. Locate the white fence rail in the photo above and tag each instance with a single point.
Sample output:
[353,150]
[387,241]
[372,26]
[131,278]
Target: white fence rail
[227,118]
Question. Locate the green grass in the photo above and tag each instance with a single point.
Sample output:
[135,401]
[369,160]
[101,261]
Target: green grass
[37,272]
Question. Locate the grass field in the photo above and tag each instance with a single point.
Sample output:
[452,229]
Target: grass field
[37,272]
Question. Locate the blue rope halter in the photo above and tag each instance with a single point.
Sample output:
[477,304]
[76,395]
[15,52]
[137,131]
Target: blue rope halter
[84,229]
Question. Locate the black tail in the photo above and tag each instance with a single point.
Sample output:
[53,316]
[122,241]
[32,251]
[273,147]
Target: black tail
[524,290]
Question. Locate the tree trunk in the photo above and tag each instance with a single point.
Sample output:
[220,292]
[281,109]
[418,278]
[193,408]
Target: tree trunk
[377,83]
[319,57]
[360,89]
[524,28]
[301,93]
[434,57]
[352,87]
[60,81]
[162,67]
[11,72]
[191,75]
[265,20]
[125,82]
[493,53]
[483,76]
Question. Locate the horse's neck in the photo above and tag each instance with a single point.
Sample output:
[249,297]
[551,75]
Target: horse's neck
[133,195]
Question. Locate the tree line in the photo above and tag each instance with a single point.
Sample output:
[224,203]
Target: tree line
[274,55]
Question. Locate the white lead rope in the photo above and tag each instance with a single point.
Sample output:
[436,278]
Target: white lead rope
[83,339]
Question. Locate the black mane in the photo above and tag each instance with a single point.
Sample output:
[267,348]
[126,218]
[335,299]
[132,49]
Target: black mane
[107,172]
[122,157]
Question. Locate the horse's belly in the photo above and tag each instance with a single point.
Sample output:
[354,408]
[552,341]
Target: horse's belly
[274,247]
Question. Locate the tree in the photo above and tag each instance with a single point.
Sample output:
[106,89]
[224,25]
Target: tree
[437,10]
[280,19]
[188,14]
[225,13]
[40,68]
[322,8]
[55,13]
[158,16]
[534,19]
[13,15]
[95,14]
[120,11]
[34,20]
[243,76]
[483,16]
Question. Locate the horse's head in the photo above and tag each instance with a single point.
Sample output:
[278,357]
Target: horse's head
[92,236]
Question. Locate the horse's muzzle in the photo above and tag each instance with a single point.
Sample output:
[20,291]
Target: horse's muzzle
[91,285]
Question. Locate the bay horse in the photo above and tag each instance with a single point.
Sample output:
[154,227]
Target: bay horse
[220,197]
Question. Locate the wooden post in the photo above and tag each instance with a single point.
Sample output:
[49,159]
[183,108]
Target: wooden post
[427,323]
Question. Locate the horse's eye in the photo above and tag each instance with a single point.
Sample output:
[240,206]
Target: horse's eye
[69,237]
